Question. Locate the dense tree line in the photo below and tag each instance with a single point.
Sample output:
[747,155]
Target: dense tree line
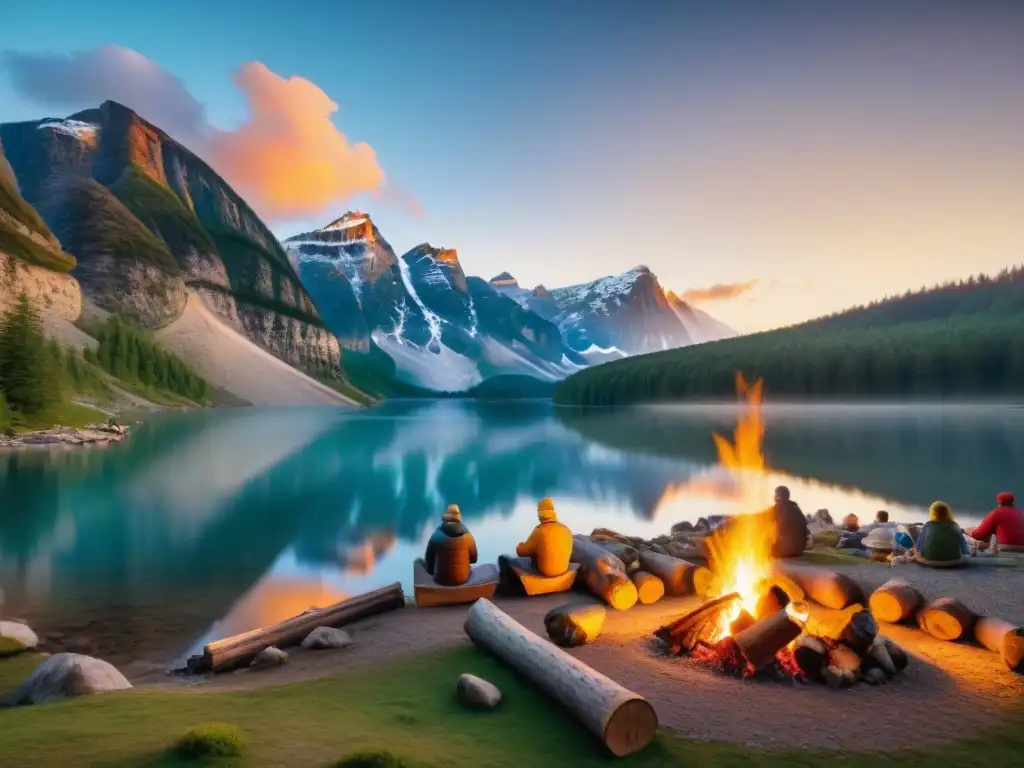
[130,354]
[958,340]
[32,377]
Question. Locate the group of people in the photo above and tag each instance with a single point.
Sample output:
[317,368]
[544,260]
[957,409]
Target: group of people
[941,540]
[451,550]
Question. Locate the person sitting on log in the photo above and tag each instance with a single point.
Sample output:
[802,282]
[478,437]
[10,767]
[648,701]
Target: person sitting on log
[791,525]
[941,540]
[550,544]
[1005,522]
[451,550]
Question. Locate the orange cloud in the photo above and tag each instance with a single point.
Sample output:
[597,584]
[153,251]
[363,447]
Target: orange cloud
[289,160]
[718,292]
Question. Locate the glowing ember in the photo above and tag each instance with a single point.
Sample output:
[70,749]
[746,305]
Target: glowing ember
[740,552]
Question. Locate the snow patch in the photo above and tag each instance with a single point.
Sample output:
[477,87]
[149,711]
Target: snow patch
[343,224]
[78,129]
[601,289]
[433,321]
[446,371]
[593,349]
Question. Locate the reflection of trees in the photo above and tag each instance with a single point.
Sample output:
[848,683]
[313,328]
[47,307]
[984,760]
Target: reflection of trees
[912,456]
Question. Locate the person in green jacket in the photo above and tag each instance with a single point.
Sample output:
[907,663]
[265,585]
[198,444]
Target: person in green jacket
[941,540]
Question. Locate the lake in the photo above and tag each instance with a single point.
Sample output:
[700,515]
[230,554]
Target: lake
[213,522]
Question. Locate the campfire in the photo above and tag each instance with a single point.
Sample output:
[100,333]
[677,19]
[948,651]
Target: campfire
[756,621]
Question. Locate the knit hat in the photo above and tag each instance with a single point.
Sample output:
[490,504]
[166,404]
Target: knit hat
[546,511]
[940,512]
[452,514]
[1006,499]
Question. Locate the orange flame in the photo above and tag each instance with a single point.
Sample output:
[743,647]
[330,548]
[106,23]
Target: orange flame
[740,551]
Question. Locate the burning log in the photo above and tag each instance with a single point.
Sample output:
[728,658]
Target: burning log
[842,668]
[860,632]
[895,601]
[1002,637]
[810,655]
[683,634]
[624,721]
[761,641]
[741,622]
[771,602]
[679,576]
[946,619]
[240,649]
[649,588]
[828,588]
[604,574]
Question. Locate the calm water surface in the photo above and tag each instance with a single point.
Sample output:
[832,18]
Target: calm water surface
[214,522]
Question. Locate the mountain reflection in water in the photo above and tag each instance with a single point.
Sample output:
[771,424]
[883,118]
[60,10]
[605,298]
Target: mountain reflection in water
[213,522]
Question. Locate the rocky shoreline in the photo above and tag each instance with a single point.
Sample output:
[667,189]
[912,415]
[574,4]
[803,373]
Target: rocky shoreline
[94,434]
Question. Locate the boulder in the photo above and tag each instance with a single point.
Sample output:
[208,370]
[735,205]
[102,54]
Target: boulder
[477,693]
[16,637]
[684,527]
[323,638]
[268,658]
[67,674]
[574,623]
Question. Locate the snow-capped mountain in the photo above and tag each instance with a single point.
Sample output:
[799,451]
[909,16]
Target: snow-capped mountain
[443,330]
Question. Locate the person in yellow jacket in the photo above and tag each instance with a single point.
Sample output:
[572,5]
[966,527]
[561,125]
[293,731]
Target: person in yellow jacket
[550,543]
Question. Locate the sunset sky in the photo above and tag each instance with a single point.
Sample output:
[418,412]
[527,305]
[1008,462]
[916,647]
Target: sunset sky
[777,160]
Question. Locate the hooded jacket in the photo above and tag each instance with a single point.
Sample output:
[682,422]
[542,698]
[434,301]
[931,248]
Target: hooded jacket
[941,540]
[450,553]
[550,544]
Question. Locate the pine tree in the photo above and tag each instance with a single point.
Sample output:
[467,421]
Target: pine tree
[29,376]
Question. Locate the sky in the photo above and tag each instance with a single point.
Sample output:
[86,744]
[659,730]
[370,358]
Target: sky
[772,161]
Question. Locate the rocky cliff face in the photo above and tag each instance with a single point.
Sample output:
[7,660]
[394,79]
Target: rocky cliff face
[148,221]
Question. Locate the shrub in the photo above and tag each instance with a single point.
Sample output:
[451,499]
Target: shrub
[210,740]
[377,759]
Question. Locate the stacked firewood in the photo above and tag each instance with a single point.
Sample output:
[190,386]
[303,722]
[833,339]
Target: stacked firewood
[859,653]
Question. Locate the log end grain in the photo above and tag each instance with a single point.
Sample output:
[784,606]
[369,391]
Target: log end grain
[631,727]
[649,587]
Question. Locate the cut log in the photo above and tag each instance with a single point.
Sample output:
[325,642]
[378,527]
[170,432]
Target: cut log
[860,632]
[649,588]
[241,649]
[895,601]
[742,622]
[623,720]
[603,574]
[842,669]
[946,619]
[1004,638]
[679,576]
[810,654]
[574,623]
[626,553]
[760,642]
[683,634]
[771,602]
[828,588]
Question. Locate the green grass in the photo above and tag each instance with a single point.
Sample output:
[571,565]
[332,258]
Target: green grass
[66,414]
[23,248]
[407,708]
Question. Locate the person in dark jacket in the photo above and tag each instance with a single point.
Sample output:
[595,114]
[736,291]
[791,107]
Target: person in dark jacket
[791,525]
[451,550]
[941,541]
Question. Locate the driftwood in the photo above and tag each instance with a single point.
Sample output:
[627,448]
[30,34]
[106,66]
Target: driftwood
[649,588]
[828,588]
[1004,638]
[241,649]
[895,601]
[946,619]
[603,574]
[679,576]
[683,634]
[623,720]
[761,641]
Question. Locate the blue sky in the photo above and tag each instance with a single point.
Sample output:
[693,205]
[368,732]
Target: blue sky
[830,153]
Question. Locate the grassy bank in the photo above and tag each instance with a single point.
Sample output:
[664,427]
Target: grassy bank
[408,708]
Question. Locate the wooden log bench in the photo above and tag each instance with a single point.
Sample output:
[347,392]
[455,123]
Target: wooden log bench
[483,582]
[519,577]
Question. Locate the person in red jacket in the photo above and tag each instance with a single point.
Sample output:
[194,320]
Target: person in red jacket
[1005,522]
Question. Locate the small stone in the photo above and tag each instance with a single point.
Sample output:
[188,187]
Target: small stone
[323,638]
[477,693]
[874,676]
[19,635]
[702,525]
[268,658]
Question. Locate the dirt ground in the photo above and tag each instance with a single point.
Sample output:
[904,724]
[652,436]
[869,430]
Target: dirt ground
[967,687]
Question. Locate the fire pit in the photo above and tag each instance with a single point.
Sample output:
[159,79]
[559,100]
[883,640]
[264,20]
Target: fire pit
[757,620]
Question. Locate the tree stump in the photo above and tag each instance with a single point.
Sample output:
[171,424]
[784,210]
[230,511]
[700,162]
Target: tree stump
[574,624]
[1004,638]
[946,619]
[623,720]
[649,588]
[895,601]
